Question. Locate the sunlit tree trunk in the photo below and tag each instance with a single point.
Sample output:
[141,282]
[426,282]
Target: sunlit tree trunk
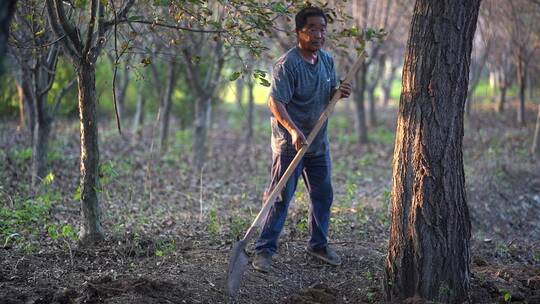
[91,230]
[428,251]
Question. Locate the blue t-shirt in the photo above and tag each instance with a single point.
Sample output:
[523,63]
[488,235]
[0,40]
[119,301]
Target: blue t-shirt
[305,90]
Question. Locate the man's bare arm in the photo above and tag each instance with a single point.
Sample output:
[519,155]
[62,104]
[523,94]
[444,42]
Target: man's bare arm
[280,113]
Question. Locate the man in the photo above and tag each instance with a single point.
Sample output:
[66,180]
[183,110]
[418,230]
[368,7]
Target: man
[303,82]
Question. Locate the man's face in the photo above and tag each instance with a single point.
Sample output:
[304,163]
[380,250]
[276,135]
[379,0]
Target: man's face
[312,35]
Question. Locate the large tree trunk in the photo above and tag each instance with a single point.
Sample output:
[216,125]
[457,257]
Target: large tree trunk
[203,108]
[165,107]
[361,125]
[428,252]
[91,230]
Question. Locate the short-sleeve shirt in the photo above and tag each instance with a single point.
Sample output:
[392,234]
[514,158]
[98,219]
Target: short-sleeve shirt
[305,90]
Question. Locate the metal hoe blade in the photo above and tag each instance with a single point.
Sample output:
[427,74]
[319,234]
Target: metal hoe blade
[237,265]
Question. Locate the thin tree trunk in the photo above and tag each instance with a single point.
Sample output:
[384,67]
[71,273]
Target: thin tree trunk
[91,230]
[387,85]
[138,118]
[251,109]
[372,121]
[239,92]
[429,250]
[502,99]
[522,75]
[22,110]
[121,90]
[202,113]
[165,108]
[40,150]
[361,125]
[535,150]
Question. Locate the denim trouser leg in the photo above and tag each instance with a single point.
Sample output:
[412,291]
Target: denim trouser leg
[317,176]
[316,171]
[278,212]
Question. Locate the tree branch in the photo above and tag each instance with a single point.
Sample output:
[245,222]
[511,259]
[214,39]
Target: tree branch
[66,26]
[91,24]
[57,29]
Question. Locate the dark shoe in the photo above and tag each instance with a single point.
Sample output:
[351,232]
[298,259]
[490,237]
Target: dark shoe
[326,254]
[262,262]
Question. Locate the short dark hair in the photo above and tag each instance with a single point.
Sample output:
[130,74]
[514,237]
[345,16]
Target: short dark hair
[310,11]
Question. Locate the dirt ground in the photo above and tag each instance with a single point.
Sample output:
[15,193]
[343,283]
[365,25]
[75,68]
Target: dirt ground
[170,230]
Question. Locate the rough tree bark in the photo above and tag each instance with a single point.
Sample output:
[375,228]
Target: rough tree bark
[428,252]
[91,229]
[83,50]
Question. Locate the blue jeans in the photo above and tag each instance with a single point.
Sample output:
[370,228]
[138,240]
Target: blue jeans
[316,171]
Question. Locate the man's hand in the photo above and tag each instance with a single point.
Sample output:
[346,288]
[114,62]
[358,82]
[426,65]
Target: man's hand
[345,88]
[298,139]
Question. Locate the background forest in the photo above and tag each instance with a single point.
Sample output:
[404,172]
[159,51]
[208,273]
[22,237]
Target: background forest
[135,149]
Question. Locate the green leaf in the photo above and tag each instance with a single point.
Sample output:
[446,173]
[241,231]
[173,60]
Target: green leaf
[279,7]
[507,297]
[48,179]
[135,18]
[235,76]
[159,253]
[264,82]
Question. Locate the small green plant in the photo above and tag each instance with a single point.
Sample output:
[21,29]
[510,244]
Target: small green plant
[66,232]
[238,225]
[213,226]
[183,140]
[368,275]
[22,156]
[507,296]
[165,247]
[302,225]
[444,290]
[366,160]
